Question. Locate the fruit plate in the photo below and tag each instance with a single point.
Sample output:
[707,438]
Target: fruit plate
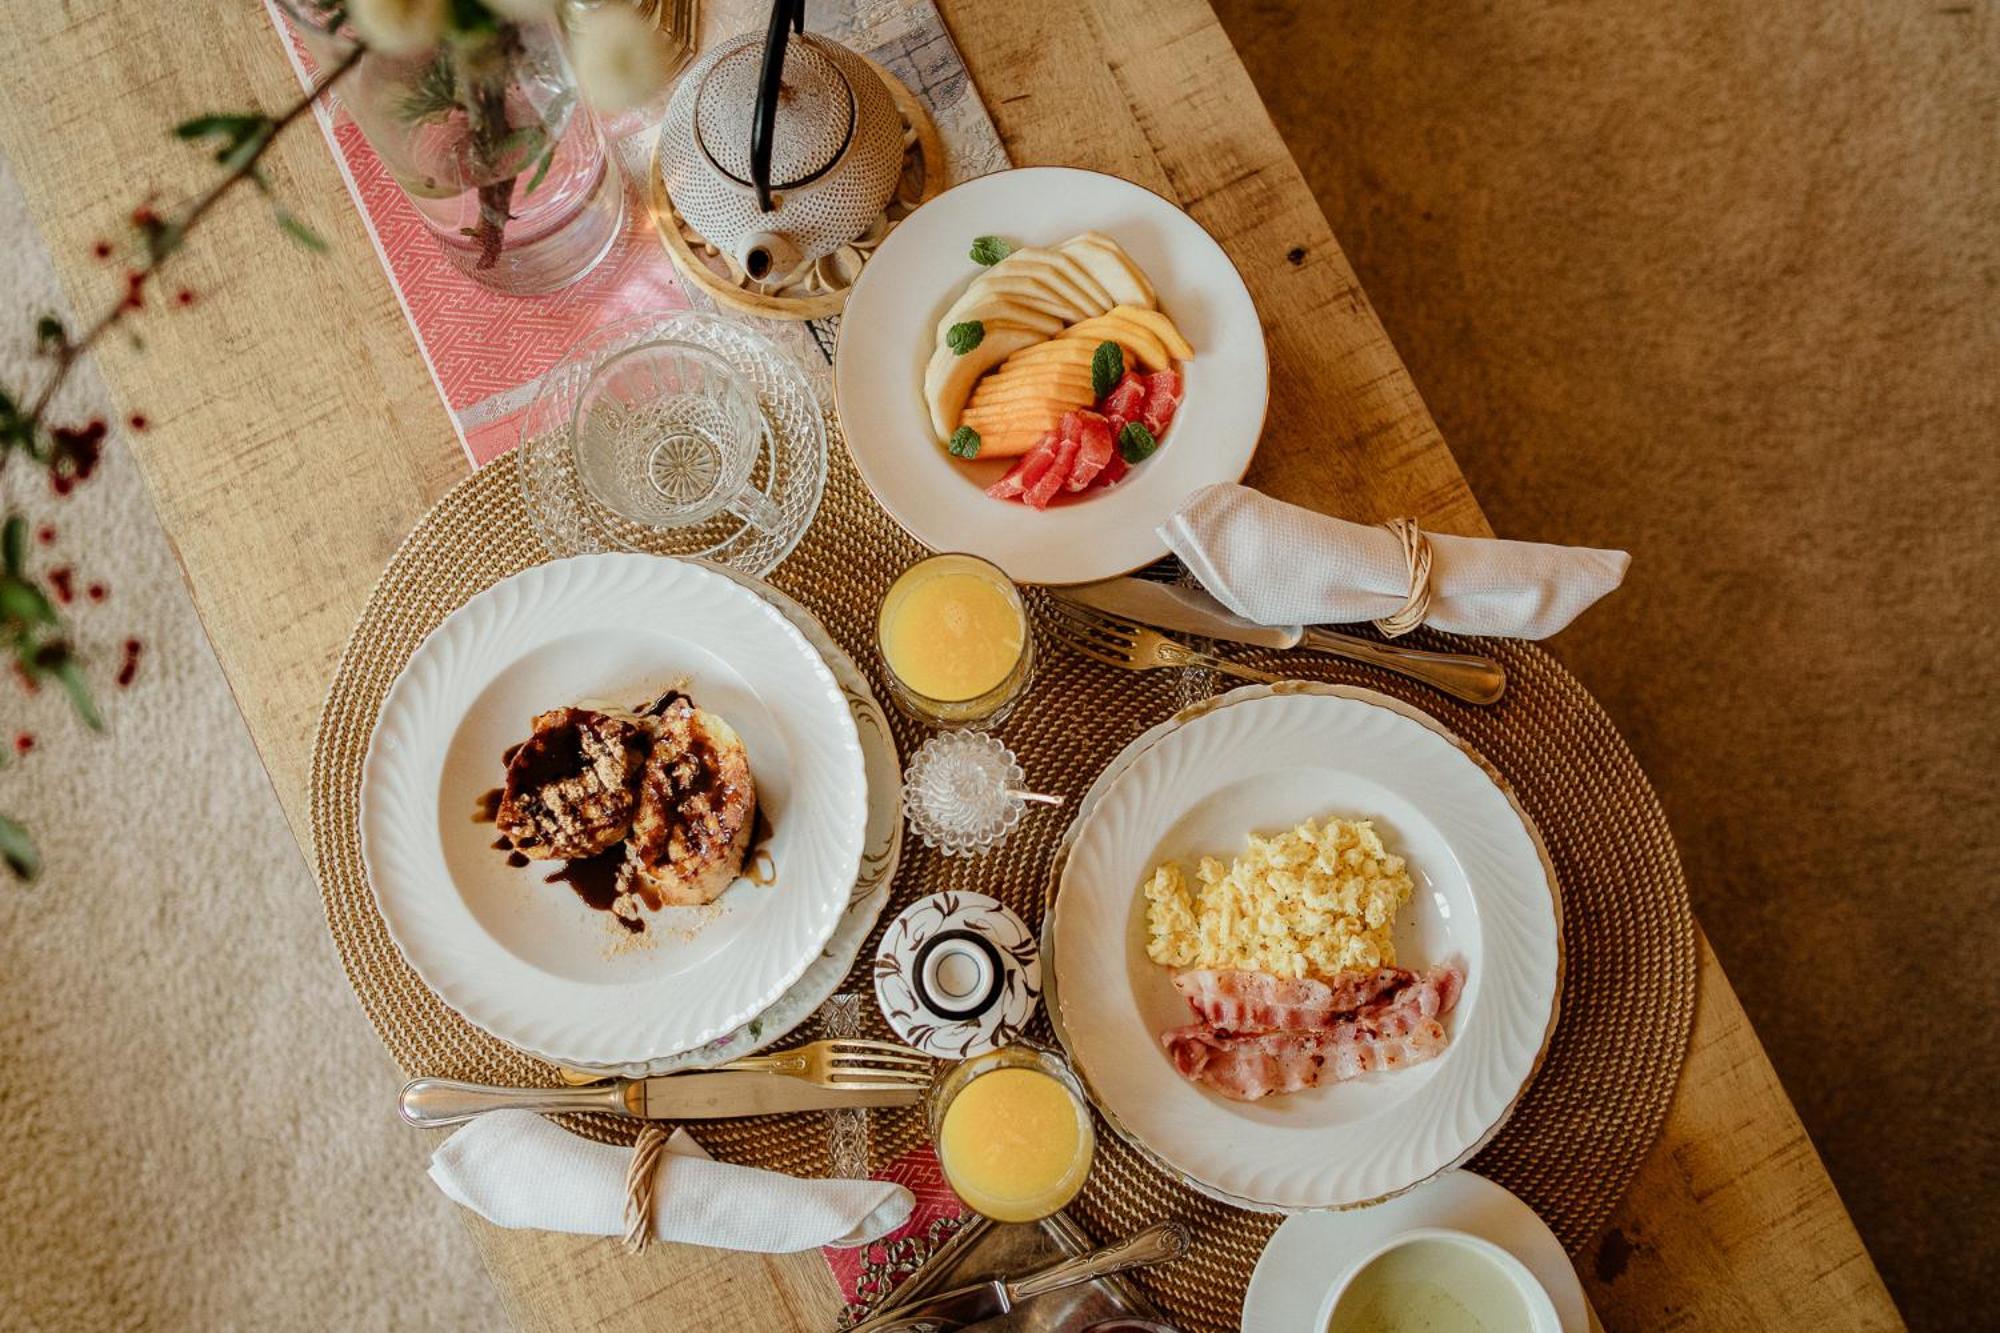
[888,332]
[1261,759]
[880,855]
[526,960]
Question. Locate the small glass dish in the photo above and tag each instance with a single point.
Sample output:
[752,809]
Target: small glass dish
[964,792]
[599,471]
[939,613]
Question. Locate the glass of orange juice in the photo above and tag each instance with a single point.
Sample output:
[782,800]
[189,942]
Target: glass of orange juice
[1013,1133]
[953,632]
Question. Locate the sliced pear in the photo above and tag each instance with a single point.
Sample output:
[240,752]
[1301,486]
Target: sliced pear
[1017,287]
[1066,276]
[949,377]
[1124,281]
[1161,327]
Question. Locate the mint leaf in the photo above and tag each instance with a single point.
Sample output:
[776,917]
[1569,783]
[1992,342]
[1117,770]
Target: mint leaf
[990,250]
[18,849]
[964,443]
[1107,367]
[1136,443]
[962,338]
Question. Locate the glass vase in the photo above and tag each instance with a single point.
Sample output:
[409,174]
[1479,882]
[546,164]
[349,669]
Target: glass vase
[486,134]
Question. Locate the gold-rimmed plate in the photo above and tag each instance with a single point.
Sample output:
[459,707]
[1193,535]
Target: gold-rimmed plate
[888,331]
[1476,856]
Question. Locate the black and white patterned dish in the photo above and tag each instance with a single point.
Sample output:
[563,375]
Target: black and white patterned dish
[958,975]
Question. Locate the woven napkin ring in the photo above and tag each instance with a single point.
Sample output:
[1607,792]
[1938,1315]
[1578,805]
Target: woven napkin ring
[1417,557]
[639,1179]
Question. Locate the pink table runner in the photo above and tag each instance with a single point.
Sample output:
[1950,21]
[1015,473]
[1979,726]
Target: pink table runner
[487,352]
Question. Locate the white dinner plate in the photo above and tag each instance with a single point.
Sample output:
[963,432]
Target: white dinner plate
[525,959]
[1485,895]
[1309,1254]
[888,331]
[881,853]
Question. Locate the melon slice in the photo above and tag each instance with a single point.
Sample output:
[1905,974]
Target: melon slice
[1092,294]
[1161,327]
[1050,269]
[949,377]
[1107,261]
[1137,340]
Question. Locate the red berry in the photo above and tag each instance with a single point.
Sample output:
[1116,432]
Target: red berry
[97,592]
[23,743]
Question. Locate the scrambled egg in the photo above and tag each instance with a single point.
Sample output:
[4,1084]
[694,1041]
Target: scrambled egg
[1316,901]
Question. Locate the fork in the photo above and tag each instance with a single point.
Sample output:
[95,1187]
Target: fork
[1121,643]
[844,1062]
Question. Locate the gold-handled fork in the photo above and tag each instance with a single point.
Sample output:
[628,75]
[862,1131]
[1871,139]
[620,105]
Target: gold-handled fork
[846,1063]
[1121,643]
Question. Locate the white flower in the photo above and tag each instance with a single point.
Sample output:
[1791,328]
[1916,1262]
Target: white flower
[523,11]
[620,60]
[398,27]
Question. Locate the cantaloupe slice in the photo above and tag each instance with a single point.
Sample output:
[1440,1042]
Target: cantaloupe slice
[1080,390]
[1138,341]
[1161,328]
[1013,434]
[949,378]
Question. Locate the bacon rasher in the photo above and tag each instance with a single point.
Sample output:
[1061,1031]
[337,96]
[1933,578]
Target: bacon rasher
[1396,1027]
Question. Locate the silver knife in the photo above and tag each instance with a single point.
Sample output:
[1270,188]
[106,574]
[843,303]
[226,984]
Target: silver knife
[1479,680]
[430,1102]
[989,1300]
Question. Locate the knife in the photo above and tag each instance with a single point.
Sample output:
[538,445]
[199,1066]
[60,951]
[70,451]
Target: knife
[431,1102]
[989,1300]
[1479,680]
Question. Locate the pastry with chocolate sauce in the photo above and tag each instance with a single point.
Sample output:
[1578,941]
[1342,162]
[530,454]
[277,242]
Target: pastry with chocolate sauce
[697,806]
[572,786]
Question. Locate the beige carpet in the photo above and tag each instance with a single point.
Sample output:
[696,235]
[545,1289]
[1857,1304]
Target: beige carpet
[1717,283]
[195,1120]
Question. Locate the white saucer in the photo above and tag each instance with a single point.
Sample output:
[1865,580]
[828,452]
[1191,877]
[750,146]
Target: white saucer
[1312,1251]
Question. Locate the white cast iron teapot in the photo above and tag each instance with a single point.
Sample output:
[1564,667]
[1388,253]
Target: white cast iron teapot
[781,154]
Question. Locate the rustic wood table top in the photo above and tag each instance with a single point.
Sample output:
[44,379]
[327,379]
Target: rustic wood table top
[297,437]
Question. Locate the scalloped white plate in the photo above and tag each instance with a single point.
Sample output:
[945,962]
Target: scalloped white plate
[525,959]
[888,330]
[1484,894]
[880,856]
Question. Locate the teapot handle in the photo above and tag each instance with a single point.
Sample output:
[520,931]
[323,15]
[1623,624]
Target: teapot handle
[785,14]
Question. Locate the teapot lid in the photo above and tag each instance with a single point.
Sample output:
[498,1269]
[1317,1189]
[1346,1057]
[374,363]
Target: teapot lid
[815,113]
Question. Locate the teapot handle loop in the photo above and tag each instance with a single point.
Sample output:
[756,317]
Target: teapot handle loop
[787,16]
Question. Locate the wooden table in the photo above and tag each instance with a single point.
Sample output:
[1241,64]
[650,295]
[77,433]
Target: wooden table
[297,437]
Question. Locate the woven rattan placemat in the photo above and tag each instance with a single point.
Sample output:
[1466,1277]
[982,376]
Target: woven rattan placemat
[1629,984]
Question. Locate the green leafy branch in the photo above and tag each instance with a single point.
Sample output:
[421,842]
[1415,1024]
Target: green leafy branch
[32,633]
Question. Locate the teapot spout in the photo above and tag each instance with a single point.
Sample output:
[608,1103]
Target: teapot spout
[766,254]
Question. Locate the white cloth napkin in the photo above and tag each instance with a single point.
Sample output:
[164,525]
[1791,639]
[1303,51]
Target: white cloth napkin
[1278,564]
[516,1169]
